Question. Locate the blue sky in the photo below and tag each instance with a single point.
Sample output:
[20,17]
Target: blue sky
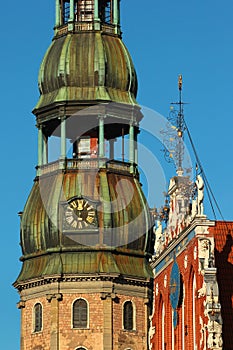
[165,38]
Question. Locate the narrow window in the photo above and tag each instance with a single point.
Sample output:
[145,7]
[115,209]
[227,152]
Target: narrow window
[65,11]
[128,316]
[80,314]
[37,317]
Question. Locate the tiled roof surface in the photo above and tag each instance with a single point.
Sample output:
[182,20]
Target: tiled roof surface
[223,236]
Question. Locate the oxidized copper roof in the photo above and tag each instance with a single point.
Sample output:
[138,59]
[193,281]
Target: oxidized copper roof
[124,223]
[84,263]
[87,66]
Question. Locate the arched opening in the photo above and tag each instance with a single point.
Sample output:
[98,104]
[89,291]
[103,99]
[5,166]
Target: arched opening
[37,317]
[80,314]
[128,316]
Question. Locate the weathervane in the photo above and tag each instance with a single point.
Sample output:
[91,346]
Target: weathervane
[174,135]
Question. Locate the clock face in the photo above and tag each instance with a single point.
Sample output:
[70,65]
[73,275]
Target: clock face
[80,214]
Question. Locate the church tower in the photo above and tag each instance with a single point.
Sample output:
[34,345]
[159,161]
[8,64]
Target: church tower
[86,235]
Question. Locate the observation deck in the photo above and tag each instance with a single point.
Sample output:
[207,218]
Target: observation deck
[87,164]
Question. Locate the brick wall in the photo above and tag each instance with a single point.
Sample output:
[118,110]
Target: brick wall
[188,326]
[57,331]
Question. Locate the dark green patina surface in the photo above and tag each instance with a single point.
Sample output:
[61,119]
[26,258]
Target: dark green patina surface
[88,66]
[123,235]
[84,263]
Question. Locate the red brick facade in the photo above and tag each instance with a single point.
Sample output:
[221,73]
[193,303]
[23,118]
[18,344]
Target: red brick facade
[206,287]
[223,236]
[189,327]
[105,319]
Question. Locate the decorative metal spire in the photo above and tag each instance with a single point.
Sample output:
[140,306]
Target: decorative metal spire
[174,134]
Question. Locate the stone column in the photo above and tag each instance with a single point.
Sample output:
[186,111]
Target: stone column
[54,299]
[107,326]
[21,307]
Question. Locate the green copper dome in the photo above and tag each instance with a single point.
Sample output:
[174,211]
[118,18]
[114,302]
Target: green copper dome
[123,217]
[87,66]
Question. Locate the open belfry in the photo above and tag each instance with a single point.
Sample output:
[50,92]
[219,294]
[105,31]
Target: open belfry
[86,229]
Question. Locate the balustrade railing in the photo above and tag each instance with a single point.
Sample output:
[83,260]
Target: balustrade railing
[85,26]
[84,164]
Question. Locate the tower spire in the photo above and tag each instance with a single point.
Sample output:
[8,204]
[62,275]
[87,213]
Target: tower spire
[86,229]
[174,134]
[180,127]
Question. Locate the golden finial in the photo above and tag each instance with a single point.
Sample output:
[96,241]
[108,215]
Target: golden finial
[180,82]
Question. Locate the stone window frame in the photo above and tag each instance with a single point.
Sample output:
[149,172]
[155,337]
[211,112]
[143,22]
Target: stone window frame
[72,314]
[133,317]
[37,329]
[81,348]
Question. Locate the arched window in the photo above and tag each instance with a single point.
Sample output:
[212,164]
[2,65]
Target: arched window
[81,348]
[128,316]
[160,324]
[80,314]
[37,317]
